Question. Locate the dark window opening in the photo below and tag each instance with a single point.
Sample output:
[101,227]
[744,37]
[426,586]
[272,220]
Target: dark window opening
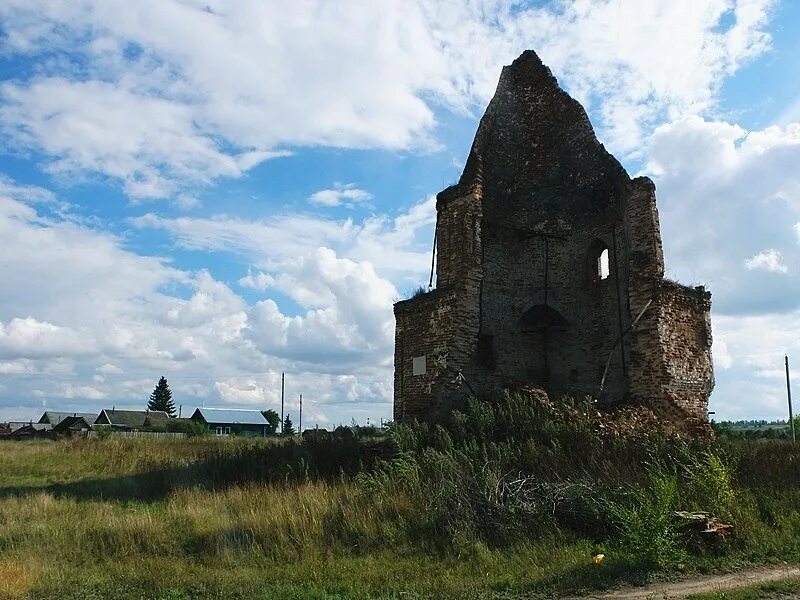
[486,351]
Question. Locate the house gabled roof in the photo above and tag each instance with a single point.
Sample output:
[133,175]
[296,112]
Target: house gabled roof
[131,418]
[55,417]
[31,428]
[14,425]
[230,416]
[75,423]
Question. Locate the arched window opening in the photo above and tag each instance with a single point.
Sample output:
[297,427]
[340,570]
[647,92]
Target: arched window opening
[602,265]
[598,263]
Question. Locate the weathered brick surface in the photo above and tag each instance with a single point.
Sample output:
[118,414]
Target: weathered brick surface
[519,300]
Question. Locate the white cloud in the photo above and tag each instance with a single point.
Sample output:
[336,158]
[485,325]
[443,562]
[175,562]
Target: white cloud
[727,199]
[81,392]
[29,338]
[769,260]
[257,281]
[756,345]
[319,392]
[15,367]
[725,194]
[347,194]
[150,144]
[163,96]
[398,245]
[26,193]
[82,305]
[348,319]
[722,356]
[168,94]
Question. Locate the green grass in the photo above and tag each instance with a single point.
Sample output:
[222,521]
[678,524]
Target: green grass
[773,590]
[60,534]
[505,501]
[248,541]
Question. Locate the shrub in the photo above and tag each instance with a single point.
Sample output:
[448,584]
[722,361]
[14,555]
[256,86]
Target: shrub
[417,291]
[710,485]
[187,426]
[102,431]
[647,533]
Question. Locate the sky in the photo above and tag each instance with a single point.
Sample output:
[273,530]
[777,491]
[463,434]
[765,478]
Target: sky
[219,192]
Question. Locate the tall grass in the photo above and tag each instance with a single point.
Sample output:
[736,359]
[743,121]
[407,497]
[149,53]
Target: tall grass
[510,496]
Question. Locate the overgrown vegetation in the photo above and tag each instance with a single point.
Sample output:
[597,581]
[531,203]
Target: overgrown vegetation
[510,497]
[416,292]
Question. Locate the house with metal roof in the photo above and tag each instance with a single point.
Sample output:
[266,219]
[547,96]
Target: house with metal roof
[55,417]
[232,421]
[132,420]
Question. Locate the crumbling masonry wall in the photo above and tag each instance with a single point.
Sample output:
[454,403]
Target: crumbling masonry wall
[550,272]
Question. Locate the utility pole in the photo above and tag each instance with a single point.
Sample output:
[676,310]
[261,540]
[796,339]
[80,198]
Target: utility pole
[789,396]
[283,380]
[300,426]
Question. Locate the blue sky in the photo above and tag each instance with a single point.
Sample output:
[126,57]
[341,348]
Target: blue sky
[222,191]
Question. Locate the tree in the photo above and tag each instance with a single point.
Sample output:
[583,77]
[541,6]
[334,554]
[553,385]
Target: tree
[288,427]
[273,419]
[161,398]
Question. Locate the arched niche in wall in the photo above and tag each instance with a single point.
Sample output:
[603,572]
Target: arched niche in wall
[542,317]
[544,330]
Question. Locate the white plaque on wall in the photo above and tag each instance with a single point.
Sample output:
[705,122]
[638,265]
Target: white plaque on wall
[418,365]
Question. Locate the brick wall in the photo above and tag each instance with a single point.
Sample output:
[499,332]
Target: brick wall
[519,300]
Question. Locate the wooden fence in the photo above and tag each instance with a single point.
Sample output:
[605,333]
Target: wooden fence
[153,435]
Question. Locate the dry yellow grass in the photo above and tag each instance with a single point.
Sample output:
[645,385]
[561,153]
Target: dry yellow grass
[17,577]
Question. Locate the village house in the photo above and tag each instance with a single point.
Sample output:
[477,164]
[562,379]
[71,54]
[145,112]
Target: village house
[29,430]
[232,421]
[131,420]
[71,425]
[55,417]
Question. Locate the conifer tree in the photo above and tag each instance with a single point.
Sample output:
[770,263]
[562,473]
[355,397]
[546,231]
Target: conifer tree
[161,398]
[288,427]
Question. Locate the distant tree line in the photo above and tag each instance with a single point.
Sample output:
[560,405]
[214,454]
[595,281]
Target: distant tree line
[755,429]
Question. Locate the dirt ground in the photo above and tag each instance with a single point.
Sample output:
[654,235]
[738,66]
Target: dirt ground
[706,583]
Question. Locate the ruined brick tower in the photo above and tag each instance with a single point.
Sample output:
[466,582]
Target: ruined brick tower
[550,272]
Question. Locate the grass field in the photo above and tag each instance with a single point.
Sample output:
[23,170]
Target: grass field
[73,524]
[209,518]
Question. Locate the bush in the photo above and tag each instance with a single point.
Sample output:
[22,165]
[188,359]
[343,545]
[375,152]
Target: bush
[505,470]
[710,486]
[648,534]
[187,426]
[102,432]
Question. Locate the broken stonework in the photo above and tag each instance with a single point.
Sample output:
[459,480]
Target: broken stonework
[550,273]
